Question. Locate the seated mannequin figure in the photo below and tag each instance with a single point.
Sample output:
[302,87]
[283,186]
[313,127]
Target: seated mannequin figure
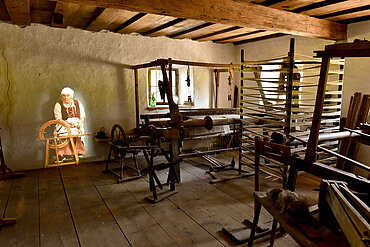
[73,112]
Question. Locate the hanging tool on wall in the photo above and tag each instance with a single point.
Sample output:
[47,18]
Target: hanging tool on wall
[188,83]
[229,83]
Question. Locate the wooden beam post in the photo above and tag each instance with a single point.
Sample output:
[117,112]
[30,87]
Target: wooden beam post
[137,96]
[289,87]
[217,80]
[320,96]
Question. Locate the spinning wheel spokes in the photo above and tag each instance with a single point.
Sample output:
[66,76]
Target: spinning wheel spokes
[118,137]
[53,131]
[152,132]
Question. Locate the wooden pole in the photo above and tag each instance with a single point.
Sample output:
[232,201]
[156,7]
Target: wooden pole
[217,79]
[320,95]
[289,88]
[137,96]
[240,133]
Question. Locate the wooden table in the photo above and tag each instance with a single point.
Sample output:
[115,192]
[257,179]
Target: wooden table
[307,232]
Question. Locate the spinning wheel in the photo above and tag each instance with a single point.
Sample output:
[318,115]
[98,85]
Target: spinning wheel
[57,135]
[51,131]
[151,132]
[118,138]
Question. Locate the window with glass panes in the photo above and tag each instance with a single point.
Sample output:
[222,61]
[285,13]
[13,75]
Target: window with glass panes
[154,75]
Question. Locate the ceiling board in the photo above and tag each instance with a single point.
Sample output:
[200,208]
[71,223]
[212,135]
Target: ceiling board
[201,20]
[42,11]
[337,7]
[179,27]
[228,34]
[110,19]
[350,15]
[293,4]
[19,11]
[200,32]
[41,16]
[233,13]
[146,23]
[276,35]
[84,16]
[66,11]
[246,37]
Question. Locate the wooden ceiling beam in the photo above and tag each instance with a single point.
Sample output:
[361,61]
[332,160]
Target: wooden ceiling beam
[230,12]
[19,11]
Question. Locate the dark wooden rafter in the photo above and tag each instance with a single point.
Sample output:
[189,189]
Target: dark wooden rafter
[336,7]
[19,11]
[240,35]
[203,31]
[64,14]
[343,12]
[250,36]
[161,27]
[3,12]
[260,38]
[357,19]
[268,2]
[291,5]
[207,24]
[178,27]
[110,19]
[216,33]
[229,35]
[233,13]
[147,23]
[129,22]
[317,5]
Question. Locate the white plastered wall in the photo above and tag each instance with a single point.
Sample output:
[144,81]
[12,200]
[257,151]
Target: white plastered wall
[38,61]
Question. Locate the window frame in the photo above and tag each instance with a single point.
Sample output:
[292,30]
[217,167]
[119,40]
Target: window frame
[175,84]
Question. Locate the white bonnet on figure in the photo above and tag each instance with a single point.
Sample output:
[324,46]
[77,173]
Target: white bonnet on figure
[67,90]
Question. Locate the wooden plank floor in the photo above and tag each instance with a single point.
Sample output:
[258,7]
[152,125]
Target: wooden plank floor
[80,206]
